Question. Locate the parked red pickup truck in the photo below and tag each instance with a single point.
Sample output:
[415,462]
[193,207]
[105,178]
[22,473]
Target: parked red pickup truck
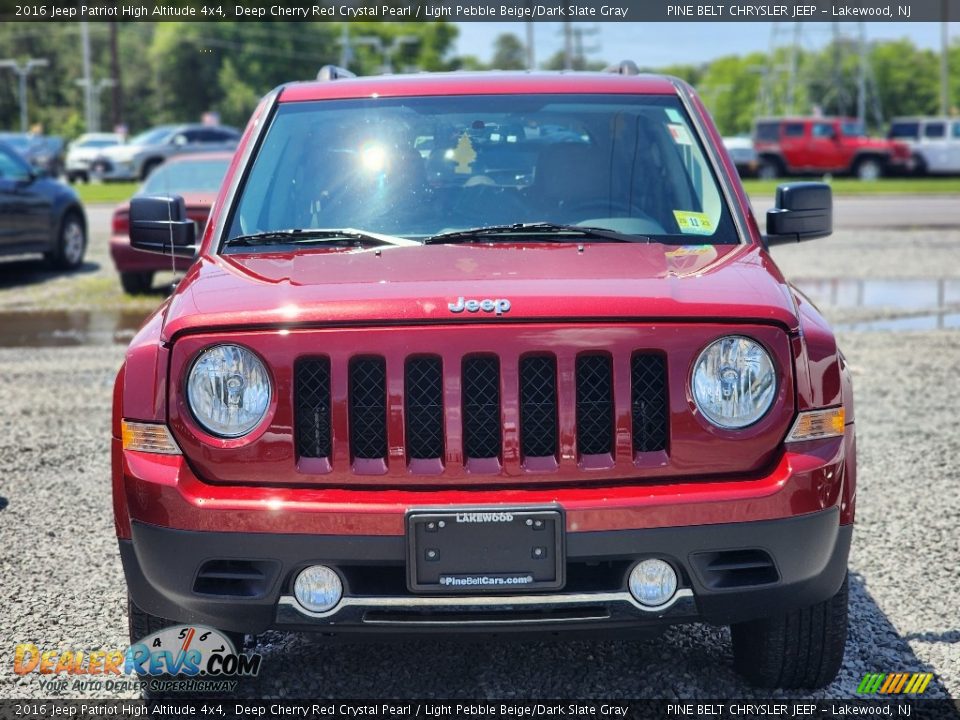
[474,353]
[818,145]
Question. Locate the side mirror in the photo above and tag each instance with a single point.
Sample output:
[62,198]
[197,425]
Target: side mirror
[159,224]
[803,211]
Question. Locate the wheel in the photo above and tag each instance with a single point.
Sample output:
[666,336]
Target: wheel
[769,169]
[919,166]
[149,166]
[136,283]
[71,243]
[801,649]
[868,169]
[141,624]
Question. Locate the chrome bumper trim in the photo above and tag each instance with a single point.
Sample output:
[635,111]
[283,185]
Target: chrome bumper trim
[505,602]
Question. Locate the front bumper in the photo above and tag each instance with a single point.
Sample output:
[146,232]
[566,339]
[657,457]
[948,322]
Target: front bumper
[721,579]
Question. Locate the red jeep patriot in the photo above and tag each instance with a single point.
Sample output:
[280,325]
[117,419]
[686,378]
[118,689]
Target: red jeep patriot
[488,353]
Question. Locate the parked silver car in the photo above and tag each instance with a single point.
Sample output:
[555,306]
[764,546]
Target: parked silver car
[136,159]
[84,150]
[934,142]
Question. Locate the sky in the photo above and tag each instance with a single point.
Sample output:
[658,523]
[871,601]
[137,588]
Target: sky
[658,44]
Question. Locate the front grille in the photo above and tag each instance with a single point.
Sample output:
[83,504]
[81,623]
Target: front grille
[481,407]
[313,407]
[423,393]
[538,406]
[648,402]
[505,410]
[368,408]
[594,404]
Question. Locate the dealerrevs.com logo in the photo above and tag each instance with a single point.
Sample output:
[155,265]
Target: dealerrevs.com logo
[187,658]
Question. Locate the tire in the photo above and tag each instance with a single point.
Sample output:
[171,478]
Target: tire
[919,166]
[140,624]
[868,169]
[769,169]
[136,283]
[801,649]
[149,166]
[71,243]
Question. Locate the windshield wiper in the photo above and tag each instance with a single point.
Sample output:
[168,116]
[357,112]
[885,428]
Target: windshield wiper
[318,236]
[556,233]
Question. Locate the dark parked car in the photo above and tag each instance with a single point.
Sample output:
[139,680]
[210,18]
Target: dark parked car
[39,214]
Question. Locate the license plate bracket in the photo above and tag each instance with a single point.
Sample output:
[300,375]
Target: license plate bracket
[485,550]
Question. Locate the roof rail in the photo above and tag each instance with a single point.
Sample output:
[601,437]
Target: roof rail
[334,72]
[624,67]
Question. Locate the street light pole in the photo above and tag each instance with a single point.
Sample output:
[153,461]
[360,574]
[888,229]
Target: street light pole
[23,71]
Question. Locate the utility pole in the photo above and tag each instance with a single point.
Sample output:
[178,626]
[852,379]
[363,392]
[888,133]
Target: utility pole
[22,72]
[87,82]
[116,105]
[531,59]
[862,78]
[944,67]
[567,45]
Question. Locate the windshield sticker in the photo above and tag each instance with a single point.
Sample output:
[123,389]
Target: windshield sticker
[687,250]
[693,223]
[673,115]
[680,134]
[464,154]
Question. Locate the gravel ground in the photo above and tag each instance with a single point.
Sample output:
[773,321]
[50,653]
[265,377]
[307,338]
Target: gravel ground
[61,585]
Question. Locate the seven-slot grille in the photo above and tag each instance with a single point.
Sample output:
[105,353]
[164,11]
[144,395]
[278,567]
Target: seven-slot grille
[539,394]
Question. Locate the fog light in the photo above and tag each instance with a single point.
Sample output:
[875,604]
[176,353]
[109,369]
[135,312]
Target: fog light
[318,588]
[653,582]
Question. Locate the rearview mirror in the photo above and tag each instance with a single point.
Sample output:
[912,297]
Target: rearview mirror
[803,211]
[159,224]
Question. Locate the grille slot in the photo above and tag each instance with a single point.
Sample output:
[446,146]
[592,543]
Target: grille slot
[594,404]
[481,407]
[313,407]
[368,408]
[736,568]
[538,406]
[423,394]
[648,402]
[237,578]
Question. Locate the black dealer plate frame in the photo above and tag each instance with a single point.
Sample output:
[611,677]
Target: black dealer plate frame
[554,527]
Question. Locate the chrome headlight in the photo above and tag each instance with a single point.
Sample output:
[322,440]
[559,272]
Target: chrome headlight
[734,382]
[228,390]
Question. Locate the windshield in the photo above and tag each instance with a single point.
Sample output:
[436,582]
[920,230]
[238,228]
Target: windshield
[854,129]
[98,143]
[153,136]
[419,167]
[186,176]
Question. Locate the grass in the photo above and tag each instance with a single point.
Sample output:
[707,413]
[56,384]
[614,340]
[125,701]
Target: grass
[109,193]
[884,186]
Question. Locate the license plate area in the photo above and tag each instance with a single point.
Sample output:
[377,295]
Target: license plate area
[500,551]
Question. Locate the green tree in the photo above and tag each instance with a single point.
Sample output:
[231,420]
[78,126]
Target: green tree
[509,53]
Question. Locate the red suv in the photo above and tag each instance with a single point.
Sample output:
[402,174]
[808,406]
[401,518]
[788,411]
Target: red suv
[488,353]
[818,145]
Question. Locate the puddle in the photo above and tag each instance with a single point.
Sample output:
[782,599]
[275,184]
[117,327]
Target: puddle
[69,329]
[931,321]
[922,304]
[899,294]
[914,304]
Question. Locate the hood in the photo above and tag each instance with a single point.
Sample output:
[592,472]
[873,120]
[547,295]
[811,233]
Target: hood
[541,282]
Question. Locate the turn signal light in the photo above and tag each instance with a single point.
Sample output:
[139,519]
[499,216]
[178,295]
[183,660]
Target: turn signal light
[816,424]
[148,437]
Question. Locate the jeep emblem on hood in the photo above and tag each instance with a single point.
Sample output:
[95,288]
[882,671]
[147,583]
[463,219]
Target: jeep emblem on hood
[498,305]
